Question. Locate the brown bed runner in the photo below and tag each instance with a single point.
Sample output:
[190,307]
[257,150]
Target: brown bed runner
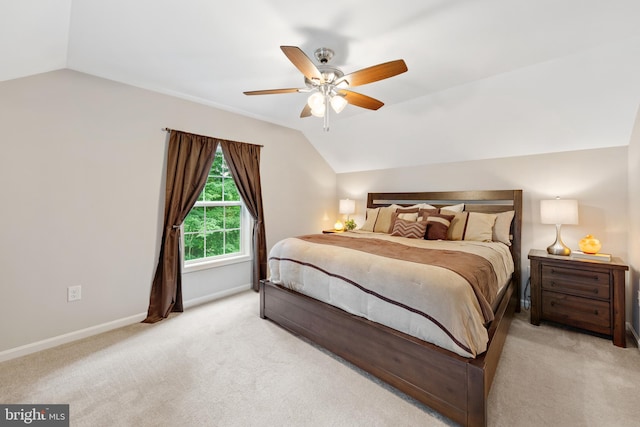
[476,270]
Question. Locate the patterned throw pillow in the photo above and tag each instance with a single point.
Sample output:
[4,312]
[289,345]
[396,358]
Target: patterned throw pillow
[406,214]
[410,229]
[437,226]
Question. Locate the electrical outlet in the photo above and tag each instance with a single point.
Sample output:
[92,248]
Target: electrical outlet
[74,293]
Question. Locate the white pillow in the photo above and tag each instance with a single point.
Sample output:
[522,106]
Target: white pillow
[453,208]
[420,206]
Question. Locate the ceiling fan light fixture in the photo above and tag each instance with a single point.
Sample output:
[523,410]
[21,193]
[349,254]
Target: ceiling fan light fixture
[317,112]
[316,101]
[338,102]
[329,85]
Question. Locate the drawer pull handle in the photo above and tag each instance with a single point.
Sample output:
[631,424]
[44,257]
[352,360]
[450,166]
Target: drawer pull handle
[595,312]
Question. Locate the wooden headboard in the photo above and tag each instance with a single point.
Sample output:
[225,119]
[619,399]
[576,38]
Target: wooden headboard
[489,201]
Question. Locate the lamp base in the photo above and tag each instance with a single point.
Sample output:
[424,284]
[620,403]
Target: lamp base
[558,247]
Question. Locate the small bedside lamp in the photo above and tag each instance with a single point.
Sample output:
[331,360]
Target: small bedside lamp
[347,207]
[558,212]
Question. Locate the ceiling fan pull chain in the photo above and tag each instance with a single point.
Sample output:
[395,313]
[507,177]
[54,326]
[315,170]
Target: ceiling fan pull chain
[326,112]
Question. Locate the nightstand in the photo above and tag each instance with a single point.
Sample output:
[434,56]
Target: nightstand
[331,231]
[586,294]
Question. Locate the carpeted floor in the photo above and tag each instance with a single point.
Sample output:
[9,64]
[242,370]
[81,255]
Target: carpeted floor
[219,364]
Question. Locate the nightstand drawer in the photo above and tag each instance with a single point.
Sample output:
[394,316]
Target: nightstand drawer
[586,283]
[579,312]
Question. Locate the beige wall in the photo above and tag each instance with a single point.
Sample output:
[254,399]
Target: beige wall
[596,178]
[634,225]
[81,184]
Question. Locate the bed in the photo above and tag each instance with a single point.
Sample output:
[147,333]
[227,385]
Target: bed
[451,382]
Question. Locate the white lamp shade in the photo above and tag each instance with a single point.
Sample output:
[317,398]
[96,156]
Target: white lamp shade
[347,206]
[338,103]
[317,112]
[558,211]
[316,102]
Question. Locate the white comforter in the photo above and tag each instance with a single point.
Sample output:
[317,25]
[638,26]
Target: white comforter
[428,302]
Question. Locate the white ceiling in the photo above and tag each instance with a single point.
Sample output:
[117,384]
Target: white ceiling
[490,78]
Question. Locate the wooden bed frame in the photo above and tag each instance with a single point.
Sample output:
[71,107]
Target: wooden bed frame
[455,386]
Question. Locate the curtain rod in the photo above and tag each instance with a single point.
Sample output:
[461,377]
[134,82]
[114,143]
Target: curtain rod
[177,130]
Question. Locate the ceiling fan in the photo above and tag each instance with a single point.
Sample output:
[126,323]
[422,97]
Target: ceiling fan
[329,86]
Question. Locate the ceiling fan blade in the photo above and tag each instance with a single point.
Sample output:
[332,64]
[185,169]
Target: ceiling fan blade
[302,62]
[271,91]
[306,111]
[361,100]
[374,73]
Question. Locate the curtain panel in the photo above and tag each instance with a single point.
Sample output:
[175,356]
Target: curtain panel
[189,159]
[243,161]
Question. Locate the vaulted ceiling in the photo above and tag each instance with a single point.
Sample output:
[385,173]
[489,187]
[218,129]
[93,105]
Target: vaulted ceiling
[486,79]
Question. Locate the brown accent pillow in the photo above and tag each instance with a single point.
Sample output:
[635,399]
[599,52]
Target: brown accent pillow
[424,213]
[437,226]
[409,214]
[410,229]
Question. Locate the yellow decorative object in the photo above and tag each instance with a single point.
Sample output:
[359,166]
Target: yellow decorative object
[589,244]
[338,226]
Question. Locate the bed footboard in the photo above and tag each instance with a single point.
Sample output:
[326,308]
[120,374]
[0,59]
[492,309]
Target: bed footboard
[455,386]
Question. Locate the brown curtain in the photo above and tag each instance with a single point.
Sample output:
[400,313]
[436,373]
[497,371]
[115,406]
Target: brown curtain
[243,161]
[189,160]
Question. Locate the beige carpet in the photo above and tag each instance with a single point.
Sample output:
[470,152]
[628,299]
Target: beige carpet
[221,365]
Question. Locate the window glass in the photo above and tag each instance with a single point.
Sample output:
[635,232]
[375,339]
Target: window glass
[214,226]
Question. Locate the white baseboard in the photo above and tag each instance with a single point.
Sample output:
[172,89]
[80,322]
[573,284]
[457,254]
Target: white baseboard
[24,350]
[71,336]
[635,334]
[218,295]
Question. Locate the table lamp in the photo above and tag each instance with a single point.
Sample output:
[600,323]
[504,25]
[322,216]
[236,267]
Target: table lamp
[347,207]
[559,212]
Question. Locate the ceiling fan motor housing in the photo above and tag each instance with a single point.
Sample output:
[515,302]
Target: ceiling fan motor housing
[323,55]
[329,75]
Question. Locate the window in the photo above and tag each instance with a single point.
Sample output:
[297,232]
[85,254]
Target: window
[216,228]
